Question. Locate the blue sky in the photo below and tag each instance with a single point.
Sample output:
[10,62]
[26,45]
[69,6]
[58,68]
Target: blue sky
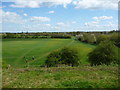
[59,15]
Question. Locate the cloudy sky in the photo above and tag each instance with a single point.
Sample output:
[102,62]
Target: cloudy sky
[58,15]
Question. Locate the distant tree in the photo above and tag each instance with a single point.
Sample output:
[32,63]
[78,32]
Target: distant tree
[102,38]
[103,54]
[115,37]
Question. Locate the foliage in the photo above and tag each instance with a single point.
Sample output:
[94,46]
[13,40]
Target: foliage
[36,35]
[115,37]
[53,59]
[87,37]
[67,55]
[101,38]
[103,54]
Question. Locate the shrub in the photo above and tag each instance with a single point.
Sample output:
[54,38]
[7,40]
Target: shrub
[67,55]
[101,38]
[53,59]
[103,54]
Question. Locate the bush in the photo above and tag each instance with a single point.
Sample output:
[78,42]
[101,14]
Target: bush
[53,59]
[103,54]
[67,55]
[101,38]
[115,37]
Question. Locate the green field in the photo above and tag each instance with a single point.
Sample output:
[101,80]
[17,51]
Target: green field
[14,50]
[34,76]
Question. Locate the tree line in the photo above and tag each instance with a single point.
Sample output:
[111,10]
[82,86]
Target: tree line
[96,38]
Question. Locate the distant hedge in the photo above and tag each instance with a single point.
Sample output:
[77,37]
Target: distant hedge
[36,35]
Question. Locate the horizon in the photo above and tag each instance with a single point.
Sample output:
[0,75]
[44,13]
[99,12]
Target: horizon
[61,32]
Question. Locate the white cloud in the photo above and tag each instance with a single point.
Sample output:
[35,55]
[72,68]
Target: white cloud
[96,4]
[48,25]
[24,3]
[11,17]
[51,12]
[39,3]
[60,24]
[92,23]
[42,25]
[102,18]
[25,14]
[40,19]
[74,22]
[98,24]
[80,4]
[38,27]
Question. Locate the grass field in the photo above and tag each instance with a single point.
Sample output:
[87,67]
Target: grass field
[84,76]
[14,50]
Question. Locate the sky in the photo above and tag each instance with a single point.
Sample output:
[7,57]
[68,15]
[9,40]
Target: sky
[58,15]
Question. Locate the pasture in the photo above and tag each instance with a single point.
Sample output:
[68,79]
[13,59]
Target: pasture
[14,50]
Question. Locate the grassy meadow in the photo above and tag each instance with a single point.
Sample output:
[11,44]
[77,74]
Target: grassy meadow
[34,76]
[14,50]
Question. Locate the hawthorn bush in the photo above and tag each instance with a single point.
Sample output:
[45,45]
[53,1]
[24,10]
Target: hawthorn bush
[67,56]
[104,53]
[53,59]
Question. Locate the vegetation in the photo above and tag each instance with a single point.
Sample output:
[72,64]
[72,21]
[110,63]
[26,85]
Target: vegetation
[62,77]
[59,55]
[68,56]
[101,38]
[96,38]
[36,35]
[115,37]
[104,53]
[53,59]
[14,50]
